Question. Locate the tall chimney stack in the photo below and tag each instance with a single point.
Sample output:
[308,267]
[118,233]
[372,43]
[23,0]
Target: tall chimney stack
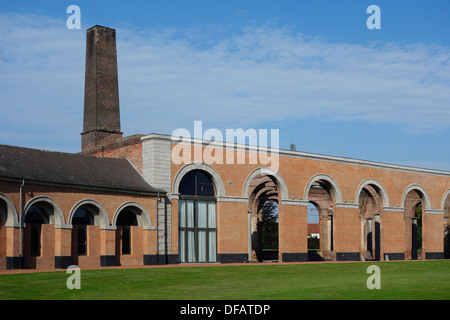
[101,124]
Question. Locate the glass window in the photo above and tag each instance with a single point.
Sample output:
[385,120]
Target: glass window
[82,218]
[82,240]
[197,218]
[126,240]
[35,217]
[197,230]
[126,219]
[196,183]
[3,211]
[35,240]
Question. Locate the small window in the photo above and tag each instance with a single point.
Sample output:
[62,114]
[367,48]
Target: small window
[35,234]
[126,219]
[35,217]
[126,240]
[82,218]
[82,240]
[3,211]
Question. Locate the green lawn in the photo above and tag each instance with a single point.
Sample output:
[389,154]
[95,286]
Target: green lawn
[408,280]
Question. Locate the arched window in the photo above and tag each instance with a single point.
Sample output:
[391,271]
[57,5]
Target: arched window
[126,219]
[82,218]
[35,217]
[3,211]
[196,183]
[197,218]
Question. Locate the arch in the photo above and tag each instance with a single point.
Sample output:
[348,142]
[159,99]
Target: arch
[101,218]
[267,172]
[381,189]
[327,178]
[215,177]
[12,218]
[197,226]
[444,198]
[56,217]
[419,188]
[142,215]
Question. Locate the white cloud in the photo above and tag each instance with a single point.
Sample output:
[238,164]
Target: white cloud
[168,79]
[266,73]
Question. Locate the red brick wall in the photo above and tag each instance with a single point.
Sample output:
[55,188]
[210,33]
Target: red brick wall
[296,172]
[137,250]
[293,229]
[130,149]
[232,227]
[2,246]
[58,241]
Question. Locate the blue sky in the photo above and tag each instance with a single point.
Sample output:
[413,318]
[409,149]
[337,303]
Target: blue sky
[311,69]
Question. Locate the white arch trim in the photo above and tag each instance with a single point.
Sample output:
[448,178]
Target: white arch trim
[266,171]
[216,178]
[384,194]
[12,219]
[142,215]
[321,176]
[57,218]
[102,219]
[422,190]
[446,194]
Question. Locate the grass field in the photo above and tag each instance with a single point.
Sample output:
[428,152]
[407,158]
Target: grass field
[406,280]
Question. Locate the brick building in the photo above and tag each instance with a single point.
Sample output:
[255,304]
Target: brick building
[126,201]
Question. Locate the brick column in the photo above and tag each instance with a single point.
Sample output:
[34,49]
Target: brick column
[347,235]
[293,231]
[108,247]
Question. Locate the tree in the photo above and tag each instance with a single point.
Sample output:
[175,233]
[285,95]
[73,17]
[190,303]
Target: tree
[418,215]
[270,225]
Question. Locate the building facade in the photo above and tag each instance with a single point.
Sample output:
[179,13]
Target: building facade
[187,200]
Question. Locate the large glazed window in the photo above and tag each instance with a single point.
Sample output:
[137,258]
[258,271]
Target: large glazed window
[197,218]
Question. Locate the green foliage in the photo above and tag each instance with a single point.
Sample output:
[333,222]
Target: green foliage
[270,225]
[418,215]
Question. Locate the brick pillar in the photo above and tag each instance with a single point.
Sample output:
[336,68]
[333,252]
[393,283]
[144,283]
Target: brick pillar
[63,246]
[108,247]
[347,232]
[293,232]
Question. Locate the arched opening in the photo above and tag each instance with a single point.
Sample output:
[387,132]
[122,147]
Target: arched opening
[3,240]
[35,216]
[125,220]
[313,232]
[81,219]
[321,197]
[447,227]
[269,230]
[3,211]
[130,220]
[263,208]
[85,214]
[417,232]
[414,204]
[370,208]
[197,225]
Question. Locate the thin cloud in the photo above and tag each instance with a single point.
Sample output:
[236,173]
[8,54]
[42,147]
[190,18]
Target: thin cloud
[169,78]
[267,73]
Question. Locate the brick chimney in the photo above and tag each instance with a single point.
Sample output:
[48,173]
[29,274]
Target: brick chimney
[101,124]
